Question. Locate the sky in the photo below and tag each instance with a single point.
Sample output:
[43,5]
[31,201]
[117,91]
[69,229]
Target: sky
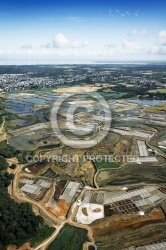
[65,31]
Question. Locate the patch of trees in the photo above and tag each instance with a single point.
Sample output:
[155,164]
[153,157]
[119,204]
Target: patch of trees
[8,151]
[32,118]
[46,113]
[141,91]
[1,118]
[5,179]
[13,166]
[3,163]
[158,95]
[18,224]
[136,90]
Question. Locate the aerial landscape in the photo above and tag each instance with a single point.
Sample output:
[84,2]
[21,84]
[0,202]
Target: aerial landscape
[82,126]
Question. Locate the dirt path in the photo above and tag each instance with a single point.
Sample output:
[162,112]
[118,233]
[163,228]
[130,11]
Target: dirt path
[40,209]
[2,125]
[3,131]
[48,241]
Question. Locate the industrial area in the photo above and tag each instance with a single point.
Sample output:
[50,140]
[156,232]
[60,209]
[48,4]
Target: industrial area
[99,204]
[34,188]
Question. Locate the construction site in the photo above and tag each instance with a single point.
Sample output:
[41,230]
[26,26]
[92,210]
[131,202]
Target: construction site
[64,195]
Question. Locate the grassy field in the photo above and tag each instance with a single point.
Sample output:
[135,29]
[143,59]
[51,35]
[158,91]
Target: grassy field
[159,137]
[106,164]
[69,238]
[157,90]
[154,145]
[157,108]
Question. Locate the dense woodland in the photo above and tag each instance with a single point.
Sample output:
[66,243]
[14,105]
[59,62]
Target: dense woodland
[18,224]
[7,151]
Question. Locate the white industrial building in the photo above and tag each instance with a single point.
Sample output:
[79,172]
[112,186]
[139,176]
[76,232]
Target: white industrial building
[142,148]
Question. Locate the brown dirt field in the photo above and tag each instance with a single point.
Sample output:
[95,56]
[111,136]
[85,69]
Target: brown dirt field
[26,246]
[97,210]
[126,222]
[75,89]
[62,208]
[85,172]
[12,160]
[84,210]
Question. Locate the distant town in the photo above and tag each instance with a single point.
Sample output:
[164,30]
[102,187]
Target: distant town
[30,77]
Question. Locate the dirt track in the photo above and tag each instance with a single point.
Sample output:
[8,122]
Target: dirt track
[40,209]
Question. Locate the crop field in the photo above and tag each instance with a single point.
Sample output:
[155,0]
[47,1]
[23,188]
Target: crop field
[160,136]
[106,164]
[133,174]
[157,90]
[69,238]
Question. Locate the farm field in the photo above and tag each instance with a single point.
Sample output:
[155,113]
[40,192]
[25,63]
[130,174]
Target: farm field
[106,164]
[69,238]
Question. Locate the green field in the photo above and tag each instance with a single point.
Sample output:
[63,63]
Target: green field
[106,164]
[157,90]
[69,238]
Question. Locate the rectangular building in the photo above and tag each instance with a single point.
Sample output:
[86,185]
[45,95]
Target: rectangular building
[142,148]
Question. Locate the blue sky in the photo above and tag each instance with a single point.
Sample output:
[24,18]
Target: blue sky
[81,31]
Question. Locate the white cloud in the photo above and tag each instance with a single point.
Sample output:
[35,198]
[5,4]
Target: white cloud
[76,19]
[60,41]
[162,34]
[74,55]
[48,45]
[26,46]
[120,13]
[79,44]
[5,52]
[162,37]
[112,45]
[138,32]
[123,13]
[157,50]
[130,44]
